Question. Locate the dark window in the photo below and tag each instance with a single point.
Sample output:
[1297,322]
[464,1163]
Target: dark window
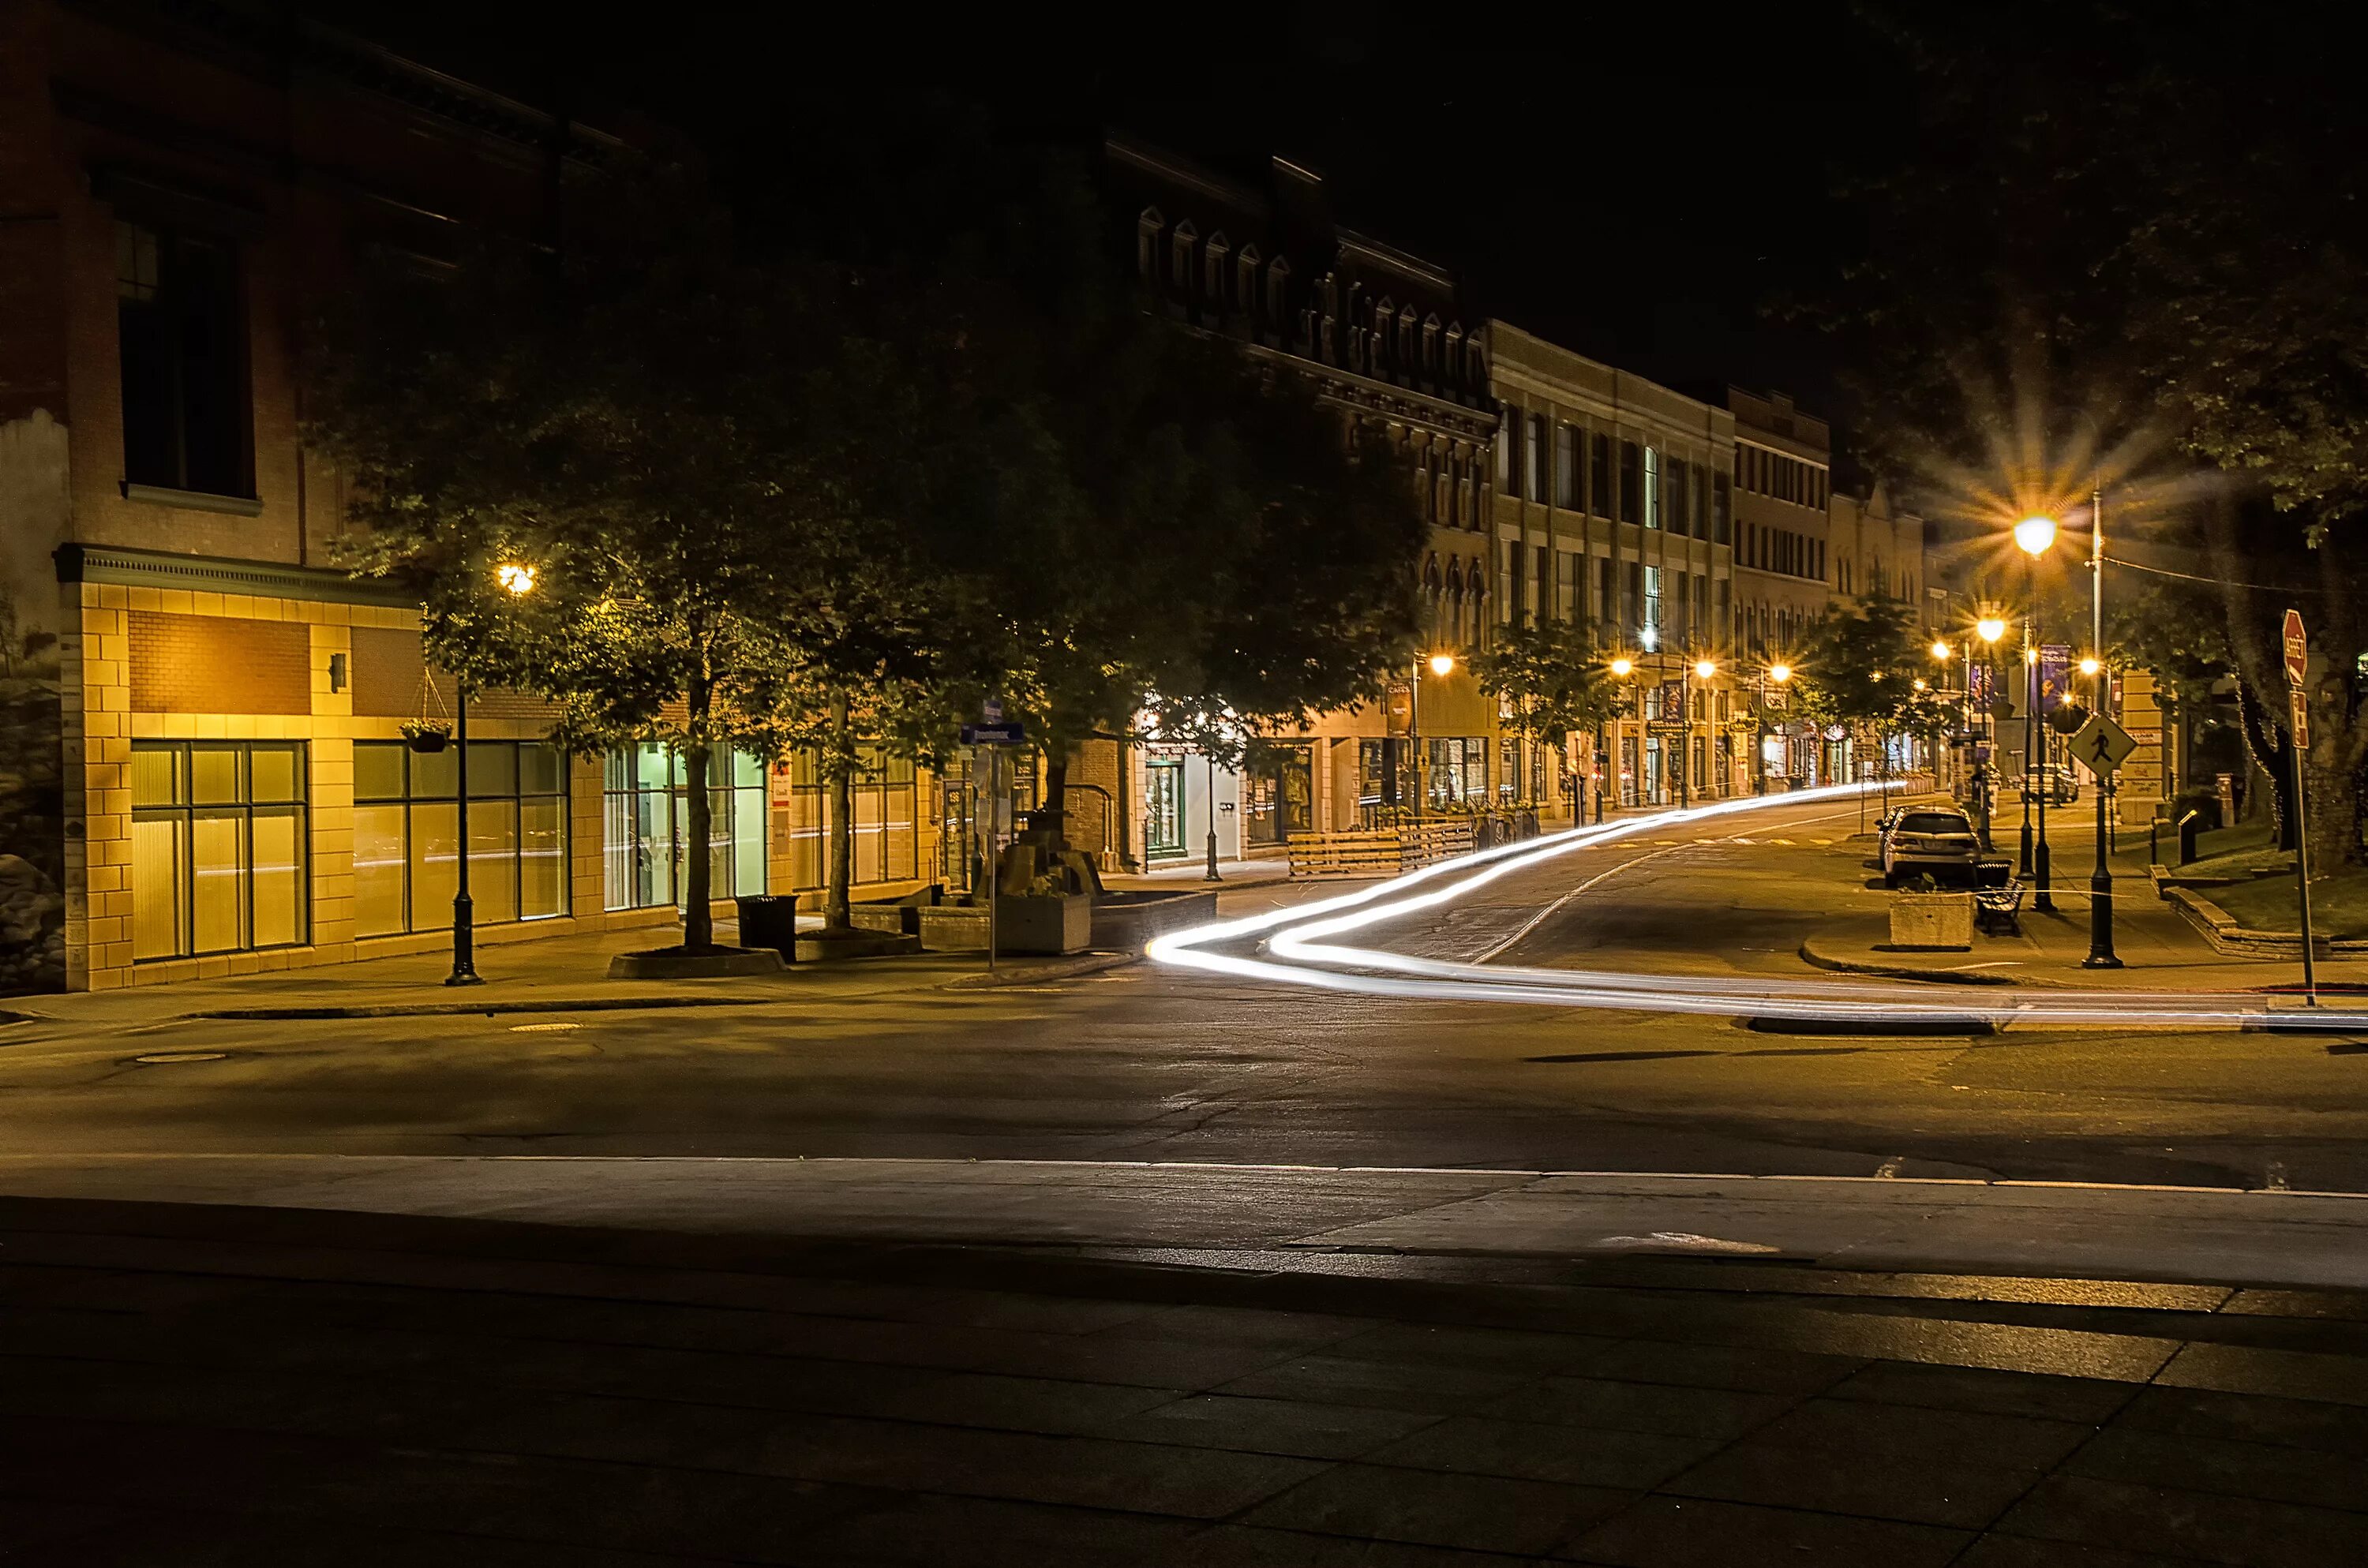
[182,337]
[1632,480]
[1544,574]
[1720,506]
[1535,452]
[1566,485]
[1507,437]
[1599,470]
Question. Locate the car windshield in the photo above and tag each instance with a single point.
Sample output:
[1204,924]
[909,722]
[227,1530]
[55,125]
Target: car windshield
[1934,821]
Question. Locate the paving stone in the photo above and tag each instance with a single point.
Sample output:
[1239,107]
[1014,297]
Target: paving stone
[1022,1466]
[2188,1462]
[1332,1379]
[1976,1388]
[1502,1349]
[1874,1483]
[2187,1524]
[1246,1546]
[1486,1512]
[1247,1328]
[1021,1405]
[1929,1437]
[927,1532]
[2021,1551]
[1531,1450]
[2293,1423]
[2291,1374]
[1721,1366]
[1269,1426]
[1638,1407]
[1682,1532]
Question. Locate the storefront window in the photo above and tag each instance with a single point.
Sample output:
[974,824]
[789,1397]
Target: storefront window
[1280,788]
[646,825]
[408,827]
[218,848]
[885,844]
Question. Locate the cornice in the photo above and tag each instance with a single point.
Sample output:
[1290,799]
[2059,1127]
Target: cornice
[122,565]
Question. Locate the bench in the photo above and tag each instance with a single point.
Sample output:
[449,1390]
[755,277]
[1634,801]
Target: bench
[1381,852]
[1998,906]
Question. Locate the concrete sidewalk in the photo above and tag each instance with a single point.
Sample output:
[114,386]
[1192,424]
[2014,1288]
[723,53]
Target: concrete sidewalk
[2158,948]
[569,974]
[193,1385]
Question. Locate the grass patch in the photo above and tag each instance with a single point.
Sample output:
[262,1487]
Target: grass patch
[2238,851]
[2338,904]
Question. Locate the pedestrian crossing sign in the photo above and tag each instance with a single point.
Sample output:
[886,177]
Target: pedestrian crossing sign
[2101,745]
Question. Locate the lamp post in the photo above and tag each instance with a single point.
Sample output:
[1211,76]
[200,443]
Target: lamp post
[1989,628]
[2100,876]
[1211,874]
[1440,664]
[517,579]
[1942,653]
[1623,669]
[2035,536]
[1688,673]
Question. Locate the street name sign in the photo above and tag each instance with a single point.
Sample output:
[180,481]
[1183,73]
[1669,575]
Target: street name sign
[2300,713]
[2101,747]
[1005,734]
[2297,648]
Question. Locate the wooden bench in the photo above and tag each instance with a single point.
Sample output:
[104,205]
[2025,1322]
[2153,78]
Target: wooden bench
[1998,906]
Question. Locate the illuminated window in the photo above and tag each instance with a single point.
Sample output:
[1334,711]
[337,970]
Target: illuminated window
[219,842]
[646,825]
[406,835]
[1652,488]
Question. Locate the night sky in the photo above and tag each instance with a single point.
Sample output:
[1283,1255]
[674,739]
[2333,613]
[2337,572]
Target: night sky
[1642,194]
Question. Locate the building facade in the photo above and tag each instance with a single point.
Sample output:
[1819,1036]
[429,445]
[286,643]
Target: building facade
[203,769]
[1387,338]
[1614,508]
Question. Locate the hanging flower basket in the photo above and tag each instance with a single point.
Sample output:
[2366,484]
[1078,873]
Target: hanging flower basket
[427,736]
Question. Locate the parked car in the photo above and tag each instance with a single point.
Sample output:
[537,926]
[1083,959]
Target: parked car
[2065,786]
[1938,839]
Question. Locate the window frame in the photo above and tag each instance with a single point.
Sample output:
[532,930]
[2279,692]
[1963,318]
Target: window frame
[516,797]
[185,809]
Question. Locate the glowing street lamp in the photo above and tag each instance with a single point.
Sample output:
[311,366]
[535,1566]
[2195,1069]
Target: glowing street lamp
[2034,536]
[517,579]
[2037,536]
[1623,667]
[1442,664]
[1990,628]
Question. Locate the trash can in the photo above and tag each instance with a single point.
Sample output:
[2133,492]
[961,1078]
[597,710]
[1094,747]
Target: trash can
[769,920]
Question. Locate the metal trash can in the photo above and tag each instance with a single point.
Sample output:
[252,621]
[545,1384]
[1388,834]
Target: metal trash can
[769,920]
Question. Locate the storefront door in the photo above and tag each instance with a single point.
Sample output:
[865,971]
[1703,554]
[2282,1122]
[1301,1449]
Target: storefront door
[1163,831]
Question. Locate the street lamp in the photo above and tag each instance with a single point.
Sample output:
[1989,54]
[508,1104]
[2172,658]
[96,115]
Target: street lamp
[517,578]
[2035,536]
[2101,875]
[1688,673]
[1623,668]
[1989,628]
[1441,664]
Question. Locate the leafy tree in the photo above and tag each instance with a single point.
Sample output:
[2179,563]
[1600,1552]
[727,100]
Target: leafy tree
[2133,232]
[1553,676]
[701,460]
[1860,667]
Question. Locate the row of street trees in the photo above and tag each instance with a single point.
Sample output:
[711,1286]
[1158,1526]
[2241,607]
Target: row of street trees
[2118,253]
[822,478]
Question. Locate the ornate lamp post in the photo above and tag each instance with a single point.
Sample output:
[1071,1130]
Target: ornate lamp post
[2035,537]
[1623,670]
[1699,669]
[1989,628]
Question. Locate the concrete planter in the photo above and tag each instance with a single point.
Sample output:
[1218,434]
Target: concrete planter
[953,927]
[1126,921]
[673,964]
[1063,924]
[1929,921]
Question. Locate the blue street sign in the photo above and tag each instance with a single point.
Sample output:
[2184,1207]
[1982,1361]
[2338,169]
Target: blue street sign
[1009,735]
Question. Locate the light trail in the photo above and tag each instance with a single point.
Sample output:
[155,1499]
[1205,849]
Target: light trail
[1298,954]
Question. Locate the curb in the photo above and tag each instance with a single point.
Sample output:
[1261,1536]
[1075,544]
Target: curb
[1084,963]
[1816,960]
[2220,928]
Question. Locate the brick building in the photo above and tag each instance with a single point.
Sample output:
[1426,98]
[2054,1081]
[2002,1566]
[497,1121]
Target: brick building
[201,765]
[1387,337]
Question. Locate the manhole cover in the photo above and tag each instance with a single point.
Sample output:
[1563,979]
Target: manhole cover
[166,1058]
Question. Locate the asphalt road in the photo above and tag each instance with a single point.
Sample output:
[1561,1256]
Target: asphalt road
[1152,1063]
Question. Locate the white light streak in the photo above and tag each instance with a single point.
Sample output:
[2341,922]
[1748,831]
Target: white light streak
[1297,955]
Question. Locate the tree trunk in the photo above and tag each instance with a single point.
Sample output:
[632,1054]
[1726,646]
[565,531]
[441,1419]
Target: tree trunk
[2265,744]
[2331,815]
[1053,815]
[838,911]
[697,920]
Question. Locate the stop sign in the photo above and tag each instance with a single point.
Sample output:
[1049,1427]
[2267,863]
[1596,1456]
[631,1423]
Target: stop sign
[2297,647]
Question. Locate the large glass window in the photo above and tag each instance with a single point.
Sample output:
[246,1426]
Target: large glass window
[219,842]
[1652,488]
[885,846]
[1599,475]
[1565,482]
[646,825]
[407,829]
